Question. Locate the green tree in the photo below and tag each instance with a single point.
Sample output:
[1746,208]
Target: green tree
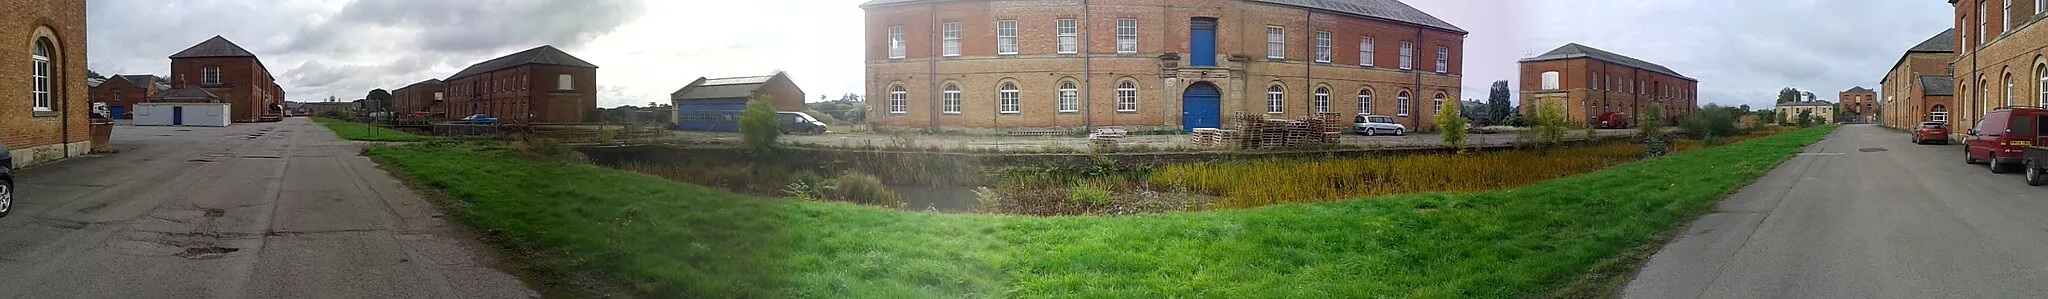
[1710,123]
[1788,95]
[90,74]
[1497,103]
[1805,118]
[379,100]
[1652,134]
[759,127]
[1551,123]
[1453,124]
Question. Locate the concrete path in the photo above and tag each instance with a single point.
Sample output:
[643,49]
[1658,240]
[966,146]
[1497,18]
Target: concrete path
[1863,214]
[268,210]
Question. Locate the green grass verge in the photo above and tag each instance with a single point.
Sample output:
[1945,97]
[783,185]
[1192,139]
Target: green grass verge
[366,132]
[676,240]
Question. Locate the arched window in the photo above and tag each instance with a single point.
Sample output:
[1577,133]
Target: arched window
[2008,89]
[1007,96]
[952,99]
[899,99]
[2041,71]
[1938,114]
[1070,97]
[42,73]
[1276,99]
[1127,96]
[1401,104]
[1365,101]
[1322,100]
[1438,105]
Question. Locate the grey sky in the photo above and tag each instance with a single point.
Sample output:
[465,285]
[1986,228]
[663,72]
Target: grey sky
[1743,51]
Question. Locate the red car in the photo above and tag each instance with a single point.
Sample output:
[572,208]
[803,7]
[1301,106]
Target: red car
[2000,136]
[1931,132]
[1613,120]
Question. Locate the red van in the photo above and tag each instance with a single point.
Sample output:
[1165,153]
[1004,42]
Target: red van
[1998,138]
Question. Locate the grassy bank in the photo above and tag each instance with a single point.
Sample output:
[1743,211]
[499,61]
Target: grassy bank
[676,240]
[366,132]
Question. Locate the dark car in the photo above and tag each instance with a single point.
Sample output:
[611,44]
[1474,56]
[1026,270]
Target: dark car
[1931,132]
[801,123]
[6,181]
[1999,138]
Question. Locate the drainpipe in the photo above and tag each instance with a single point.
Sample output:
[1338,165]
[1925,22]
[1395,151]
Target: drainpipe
[1308,69]
[932,34]
[1415,115]
[1087,73]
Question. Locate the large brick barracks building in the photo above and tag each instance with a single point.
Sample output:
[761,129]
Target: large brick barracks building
[1999,58]
[230,73]
[43,93]
[1589,82]
[1056,64]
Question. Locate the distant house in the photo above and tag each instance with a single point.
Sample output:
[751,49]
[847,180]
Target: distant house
[538,85]
[119,91]
[231,73]
[714,104]
[1821,111]
[418,97]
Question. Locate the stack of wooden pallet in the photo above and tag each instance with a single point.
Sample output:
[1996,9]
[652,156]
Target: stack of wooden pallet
[1206,137]
[1106,138]
[1255,131]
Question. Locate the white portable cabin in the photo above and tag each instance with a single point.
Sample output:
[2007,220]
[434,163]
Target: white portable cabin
[181,114]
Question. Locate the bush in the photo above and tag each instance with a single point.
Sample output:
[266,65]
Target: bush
[1454,126]
[1711,121]
[1651,134]
[759,126]
[1551,122]
[861,188]
[1088,195]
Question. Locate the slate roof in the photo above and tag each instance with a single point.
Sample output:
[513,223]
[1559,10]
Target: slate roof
[1576,50]
[184,94]
[1391,10]
[1944,42]
[214,47]
[94,82]
[1807,103]
[137,80]
[1859,89]
[1937,86]
[723,88]
[544,54]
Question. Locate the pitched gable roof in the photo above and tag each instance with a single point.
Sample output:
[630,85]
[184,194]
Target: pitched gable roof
[1944,42]
[1859,89]
[724,88]
[544,54]
[1576,50]
[1807,103]
[1391,10]
[1937,86]
[140,81]
[189,93]
[214,47]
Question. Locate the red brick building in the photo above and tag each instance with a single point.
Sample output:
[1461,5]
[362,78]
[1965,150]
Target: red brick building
[1919,85]
[539,85]
[231,73]
[418,97]
[1000,64]
[43,94]
[1857,104]
[121,90]
[1589,82]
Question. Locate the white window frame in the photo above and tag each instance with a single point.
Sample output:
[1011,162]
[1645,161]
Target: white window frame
[1596,81]
[1276,99]
[1443,60]
[1939,113]
[1007,99]
[1070,97]
[1407,55]
[1438,106]
[897,49]
[2039,5]
[42,84]
[1983,25]
[1069,32]
[1323,47]
[209,75]
[1322,100]
[1401,104]
[899,100]
[1365,101]
[1126,36]
[2008,89]
[2008,16]
[1127,96]
[1006,37]
[951,99]
[1276,42]
[1365,53]
[950,31]
[1550,80]
[2041,70]
[565,82]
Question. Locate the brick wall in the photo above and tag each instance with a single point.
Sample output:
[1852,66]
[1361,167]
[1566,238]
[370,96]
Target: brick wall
[1982,69]
[120,93]
[1904,100]
[1157,70]
[244,84]
[524,94]
[415,98]
[1631,90]
[37,137]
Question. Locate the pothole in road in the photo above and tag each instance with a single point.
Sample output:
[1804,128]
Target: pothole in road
[199,161]
[1872,149]
[215,212]
[206,253]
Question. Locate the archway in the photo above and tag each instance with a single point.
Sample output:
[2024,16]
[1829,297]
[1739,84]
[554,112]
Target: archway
[1201,107]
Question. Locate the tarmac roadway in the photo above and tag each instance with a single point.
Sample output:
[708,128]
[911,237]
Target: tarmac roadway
[267,210]
[1863,214]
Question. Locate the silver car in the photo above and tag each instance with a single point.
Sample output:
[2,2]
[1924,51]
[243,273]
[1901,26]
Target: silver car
[1370,125]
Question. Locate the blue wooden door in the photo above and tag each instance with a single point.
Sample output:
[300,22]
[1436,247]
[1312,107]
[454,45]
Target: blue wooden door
[177,116]
[117,112]
[1201,107]
[1202,43]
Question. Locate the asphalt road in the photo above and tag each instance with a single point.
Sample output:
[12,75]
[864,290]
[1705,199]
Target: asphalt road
[1863,214]
[271,210]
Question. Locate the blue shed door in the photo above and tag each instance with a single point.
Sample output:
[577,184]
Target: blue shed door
[1202,43]
[117,112]
[177,116]
[1201,107]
